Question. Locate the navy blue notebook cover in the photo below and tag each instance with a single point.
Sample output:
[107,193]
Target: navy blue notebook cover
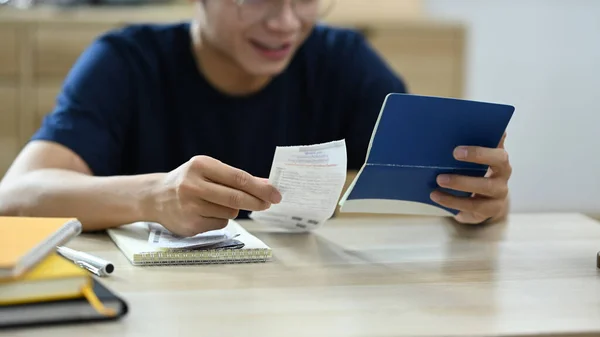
[412,143]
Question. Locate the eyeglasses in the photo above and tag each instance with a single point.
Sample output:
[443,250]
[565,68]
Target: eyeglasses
[305,10]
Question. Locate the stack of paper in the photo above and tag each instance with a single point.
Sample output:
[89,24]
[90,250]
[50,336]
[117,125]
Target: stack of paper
[223,238]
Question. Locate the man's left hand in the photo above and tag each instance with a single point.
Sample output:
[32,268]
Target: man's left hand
[489,198]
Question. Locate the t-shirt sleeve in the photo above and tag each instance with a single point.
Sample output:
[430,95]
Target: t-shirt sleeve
[370,80]
[92,110]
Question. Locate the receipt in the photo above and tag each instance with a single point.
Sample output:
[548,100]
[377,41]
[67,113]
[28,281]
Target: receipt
[161,237]
[310,180]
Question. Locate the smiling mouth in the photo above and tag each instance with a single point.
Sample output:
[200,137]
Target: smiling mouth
[276,52]
[271,47]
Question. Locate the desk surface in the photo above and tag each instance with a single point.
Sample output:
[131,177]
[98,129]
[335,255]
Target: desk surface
[534,275]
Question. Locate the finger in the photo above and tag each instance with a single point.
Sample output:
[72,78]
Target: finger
[211,210]
[470,218]
[491,187]
[196,190]
[483,207]
[230,197]
[235,178]
[495,158]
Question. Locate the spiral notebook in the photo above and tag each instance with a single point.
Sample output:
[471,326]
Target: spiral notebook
[132,240]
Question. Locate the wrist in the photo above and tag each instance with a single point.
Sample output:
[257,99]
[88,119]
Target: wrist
[148,200]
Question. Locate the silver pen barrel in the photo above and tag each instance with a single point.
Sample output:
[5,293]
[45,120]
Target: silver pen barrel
[104,267]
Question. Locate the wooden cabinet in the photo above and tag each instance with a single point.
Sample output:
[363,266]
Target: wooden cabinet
[40,46]
[9,136]
[9,95]
[9,64]
[429,59]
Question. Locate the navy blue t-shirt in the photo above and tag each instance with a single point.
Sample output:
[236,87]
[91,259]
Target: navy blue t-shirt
[135,102]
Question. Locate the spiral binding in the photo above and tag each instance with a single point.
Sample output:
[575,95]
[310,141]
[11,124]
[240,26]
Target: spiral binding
[203,257]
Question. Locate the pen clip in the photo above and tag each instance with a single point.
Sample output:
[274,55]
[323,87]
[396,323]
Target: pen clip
[89,267]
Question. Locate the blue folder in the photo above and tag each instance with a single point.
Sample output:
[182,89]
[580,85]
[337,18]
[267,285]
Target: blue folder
[412,143]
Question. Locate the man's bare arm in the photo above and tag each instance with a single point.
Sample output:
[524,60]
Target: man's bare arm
[48,179]
[201,194]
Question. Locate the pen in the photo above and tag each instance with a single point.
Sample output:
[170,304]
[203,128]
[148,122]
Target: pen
[92,263]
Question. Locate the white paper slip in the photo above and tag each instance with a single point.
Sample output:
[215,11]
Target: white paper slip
[310,180]
[161,237]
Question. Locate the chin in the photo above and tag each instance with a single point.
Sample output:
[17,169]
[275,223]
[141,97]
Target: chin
[266,69]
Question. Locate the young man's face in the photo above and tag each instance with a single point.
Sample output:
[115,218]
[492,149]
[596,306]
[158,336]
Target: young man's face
[261,36]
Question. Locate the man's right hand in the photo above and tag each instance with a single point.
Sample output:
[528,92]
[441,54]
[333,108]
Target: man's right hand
[204,193]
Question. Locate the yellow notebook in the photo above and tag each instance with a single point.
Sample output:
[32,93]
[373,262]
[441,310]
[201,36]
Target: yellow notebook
[25,241]
[55,278]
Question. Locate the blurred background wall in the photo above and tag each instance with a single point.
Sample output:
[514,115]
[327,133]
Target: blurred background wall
[543,56]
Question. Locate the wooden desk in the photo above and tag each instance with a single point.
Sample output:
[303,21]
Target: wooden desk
[535,275]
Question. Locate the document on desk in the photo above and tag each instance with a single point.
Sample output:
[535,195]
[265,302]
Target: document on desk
[310,180]
[161,237]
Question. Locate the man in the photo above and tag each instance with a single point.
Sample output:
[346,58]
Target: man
[178,123]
